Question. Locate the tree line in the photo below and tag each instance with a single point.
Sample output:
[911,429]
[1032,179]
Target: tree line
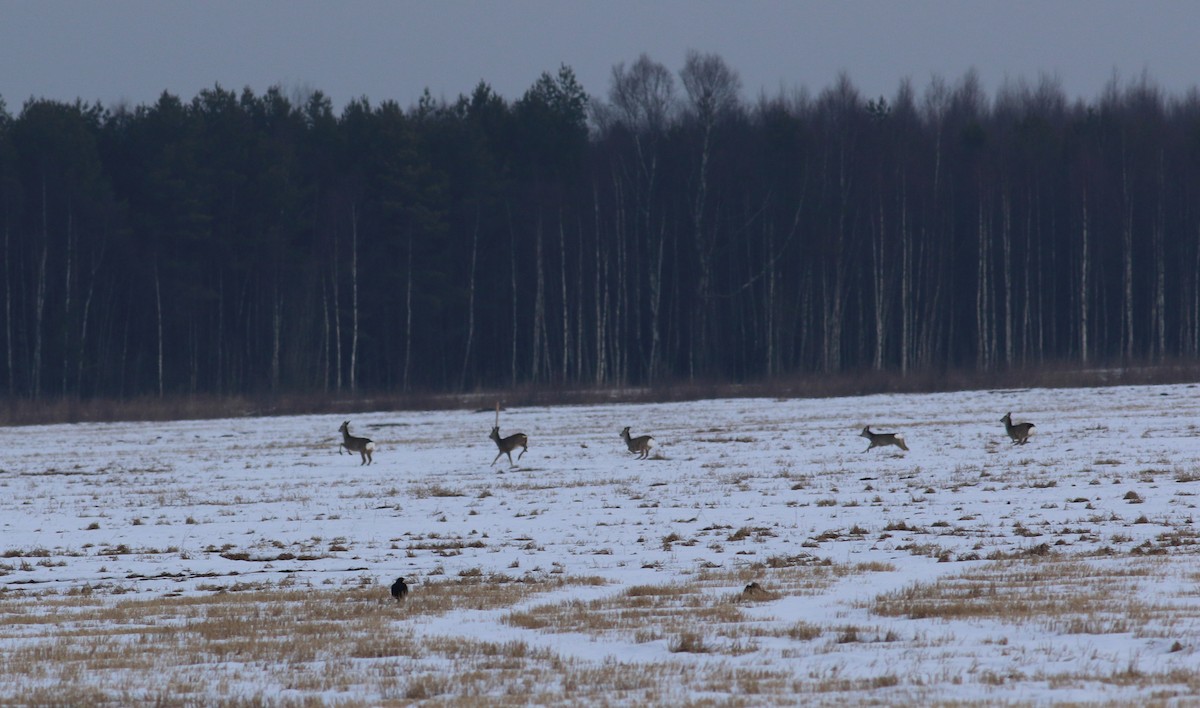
[667,230]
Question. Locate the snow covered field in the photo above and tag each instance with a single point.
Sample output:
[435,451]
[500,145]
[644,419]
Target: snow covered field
[247,561]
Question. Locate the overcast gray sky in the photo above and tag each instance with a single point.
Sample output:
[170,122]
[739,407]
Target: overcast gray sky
[131,51]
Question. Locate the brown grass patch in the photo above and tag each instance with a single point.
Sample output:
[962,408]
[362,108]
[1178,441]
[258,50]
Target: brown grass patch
[1063,595]
[95,649]
[713,600]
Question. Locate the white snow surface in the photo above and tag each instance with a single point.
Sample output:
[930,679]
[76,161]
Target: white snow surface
[155,509]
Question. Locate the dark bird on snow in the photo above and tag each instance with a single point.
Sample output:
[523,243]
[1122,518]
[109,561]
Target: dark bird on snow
[399,589]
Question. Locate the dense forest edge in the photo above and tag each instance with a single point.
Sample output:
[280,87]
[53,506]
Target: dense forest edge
[1009,382]
[670,239]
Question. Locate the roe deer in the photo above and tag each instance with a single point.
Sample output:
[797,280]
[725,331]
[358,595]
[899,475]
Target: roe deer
[507,445]
[352,444]
[881,439]
[1019,432]
[641,444]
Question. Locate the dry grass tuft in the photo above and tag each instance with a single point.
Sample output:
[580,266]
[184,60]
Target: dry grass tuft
[756,593]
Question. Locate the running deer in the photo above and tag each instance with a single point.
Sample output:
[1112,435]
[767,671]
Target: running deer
[881,439]
[1019,432]
[352,444]
[507,445]
[641,444]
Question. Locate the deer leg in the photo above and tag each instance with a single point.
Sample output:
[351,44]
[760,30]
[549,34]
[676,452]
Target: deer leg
[523,451]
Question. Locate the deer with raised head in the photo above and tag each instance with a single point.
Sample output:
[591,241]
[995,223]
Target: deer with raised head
[640,445]
[352,444]
[881,439]
[1019,432]
[508,444]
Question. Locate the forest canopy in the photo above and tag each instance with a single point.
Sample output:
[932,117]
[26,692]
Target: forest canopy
[665,229]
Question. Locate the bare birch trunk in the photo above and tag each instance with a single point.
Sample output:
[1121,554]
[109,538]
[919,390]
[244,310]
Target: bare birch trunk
[1006,247]
[1126,269]
[326,331]
[40,301]
[462,378]
[67,278]
[83,325]
[566,310]
[8,333]
[408,314]
[879,256]
[335,283]
[276,336]
[982,303]
[1083,287]
[354,298]
[905,283]
[512,256]
[601,296]
[1160,275]
[159,310]
[539,306]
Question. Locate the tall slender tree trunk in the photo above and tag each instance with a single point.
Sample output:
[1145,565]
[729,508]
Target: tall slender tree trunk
[982,301]
[704,260]
[354,298]
[1083,286]
[566,310]
[539,306]
[1160,274]
[770,306]
[326,334]
[906,282]
[159,311]
[8,325]
[1126,267]
[276,336]
[68,277]
[601,296]
[879,259]
[40,300]
[408,314]
[1195,339]
[580,361]
[462,379]
[1006,248]
[83,326]
[512,270]
[335,283]
[220,344]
